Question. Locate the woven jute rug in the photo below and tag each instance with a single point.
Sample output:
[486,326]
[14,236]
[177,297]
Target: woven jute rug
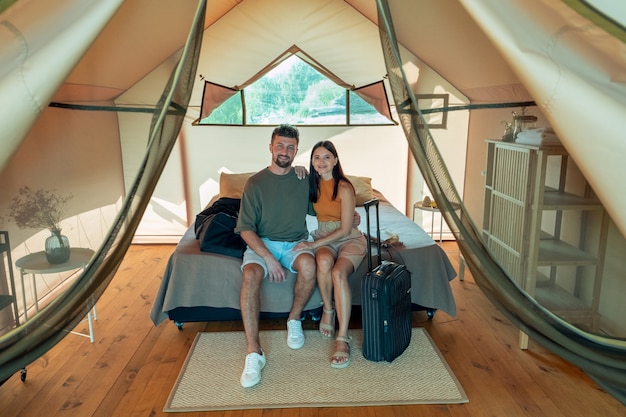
[209,379]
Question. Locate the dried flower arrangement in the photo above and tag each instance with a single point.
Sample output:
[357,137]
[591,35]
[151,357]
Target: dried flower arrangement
[37,209]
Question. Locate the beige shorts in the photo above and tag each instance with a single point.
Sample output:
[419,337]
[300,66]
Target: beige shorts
[352,247]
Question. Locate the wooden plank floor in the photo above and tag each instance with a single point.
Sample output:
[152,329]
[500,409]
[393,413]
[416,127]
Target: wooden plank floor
[132,366]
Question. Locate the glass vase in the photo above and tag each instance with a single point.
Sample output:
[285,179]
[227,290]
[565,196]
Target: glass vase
[57,247]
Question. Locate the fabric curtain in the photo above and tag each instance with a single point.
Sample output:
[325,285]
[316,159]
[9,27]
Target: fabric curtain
[213,96]
[29,341]
[45,55]
[603,358]
[376,95]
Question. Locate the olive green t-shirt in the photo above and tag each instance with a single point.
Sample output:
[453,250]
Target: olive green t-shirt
[275,206]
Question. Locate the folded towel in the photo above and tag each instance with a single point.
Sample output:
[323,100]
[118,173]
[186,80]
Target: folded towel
[539,136]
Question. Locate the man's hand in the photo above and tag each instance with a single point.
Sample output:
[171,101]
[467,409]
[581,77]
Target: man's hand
[356,220]
[274,269]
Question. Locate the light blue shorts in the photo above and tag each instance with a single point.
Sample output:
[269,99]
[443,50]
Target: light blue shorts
[282,251]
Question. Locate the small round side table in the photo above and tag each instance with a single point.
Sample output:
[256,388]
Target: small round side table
[432,210]
[36,263]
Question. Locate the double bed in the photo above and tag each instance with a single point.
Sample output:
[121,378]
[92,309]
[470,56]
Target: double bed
[202,286]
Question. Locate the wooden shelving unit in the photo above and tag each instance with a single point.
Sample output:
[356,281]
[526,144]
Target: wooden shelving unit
[547,230]
[8,297]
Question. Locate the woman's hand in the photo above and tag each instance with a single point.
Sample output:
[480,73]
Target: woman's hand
[304,245]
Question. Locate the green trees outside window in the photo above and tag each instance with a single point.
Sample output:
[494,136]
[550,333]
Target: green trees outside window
[294,92]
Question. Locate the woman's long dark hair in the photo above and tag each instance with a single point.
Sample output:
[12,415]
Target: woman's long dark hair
[314,177]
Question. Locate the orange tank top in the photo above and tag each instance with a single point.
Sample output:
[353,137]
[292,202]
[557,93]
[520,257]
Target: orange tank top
[326,208]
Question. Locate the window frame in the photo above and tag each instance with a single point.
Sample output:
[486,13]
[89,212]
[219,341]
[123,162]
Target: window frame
[374,94]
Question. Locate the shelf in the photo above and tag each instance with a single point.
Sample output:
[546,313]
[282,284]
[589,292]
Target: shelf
[542,280]
[554,200]
[556,252]
[6,300]
[567,307]
[557,299]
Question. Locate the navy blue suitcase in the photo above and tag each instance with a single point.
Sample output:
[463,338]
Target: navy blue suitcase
[385,303]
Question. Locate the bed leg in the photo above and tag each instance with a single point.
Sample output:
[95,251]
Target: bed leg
[461,268]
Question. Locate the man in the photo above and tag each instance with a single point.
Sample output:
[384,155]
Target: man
[272,220]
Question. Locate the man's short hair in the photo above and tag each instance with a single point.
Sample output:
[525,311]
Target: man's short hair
[287,131]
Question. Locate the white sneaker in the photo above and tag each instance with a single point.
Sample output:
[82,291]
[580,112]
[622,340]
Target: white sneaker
[295,335]
[252,371]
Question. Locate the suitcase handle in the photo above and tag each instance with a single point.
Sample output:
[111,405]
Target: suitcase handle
[367,205]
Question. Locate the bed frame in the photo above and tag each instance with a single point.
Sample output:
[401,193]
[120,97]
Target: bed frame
[199,286]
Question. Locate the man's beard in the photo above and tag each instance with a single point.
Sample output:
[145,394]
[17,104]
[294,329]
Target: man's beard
[282,163]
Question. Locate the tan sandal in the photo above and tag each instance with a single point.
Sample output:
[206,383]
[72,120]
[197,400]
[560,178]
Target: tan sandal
[340,354]
[328,327]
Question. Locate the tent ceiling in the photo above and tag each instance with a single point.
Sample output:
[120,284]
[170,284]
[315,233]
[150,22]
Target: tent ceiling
[254,33]
[133,48]
[440,33]
[444,36]
[243,36]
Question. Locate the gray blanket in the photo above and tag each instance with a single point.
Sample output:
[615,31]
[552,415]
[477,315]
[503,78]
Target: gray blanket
[194,278]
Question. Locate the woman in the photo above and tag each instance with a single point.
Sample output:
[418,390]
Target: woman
[339,246]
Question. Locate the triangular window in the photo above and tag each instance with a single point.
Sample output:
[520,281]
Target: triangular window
[297,91]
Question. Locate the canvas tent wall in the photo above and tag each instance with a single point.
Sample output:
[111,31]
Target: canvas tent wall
[442,34]
[483,51]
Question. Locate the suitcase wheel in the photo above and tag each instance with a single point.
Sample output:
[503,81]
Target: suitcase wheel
[315,315]
[179,325]
[430,313]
